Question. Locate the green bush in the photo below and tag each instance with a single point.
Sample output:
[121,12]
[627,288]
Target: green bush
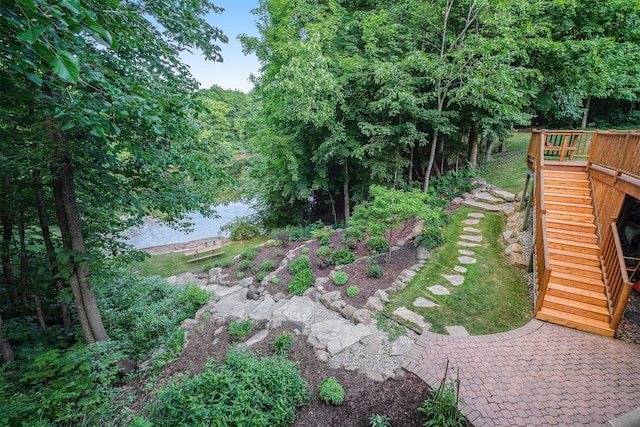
[454,183]
[302,263]
[268,265]
[431,237]
[351,237]
[323,235]
[275,280]
[379,420]
[303,232]
[323,257]
[240,275]
[441,408]
[242,228]
[373,269]
[240,328]
[260,276]
[245,264]
[352,291]
[331,392]
[282,343]
[301,282]
[305,250]
[245,390]
[340,278]
[277,254]
[193,297]
[250,253]
[376,244]
[343,256]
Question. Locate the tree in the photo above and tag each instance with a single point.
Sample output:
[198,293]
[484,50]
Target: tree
[109,120]
[388,212]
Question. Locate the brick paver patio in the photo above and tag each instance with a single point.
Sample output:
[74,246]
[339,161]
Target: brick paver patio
[538,375]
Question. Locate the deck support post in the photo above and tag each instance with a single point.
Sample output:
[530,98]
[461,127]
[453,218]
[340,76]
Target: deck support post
[527,212]
[524,192]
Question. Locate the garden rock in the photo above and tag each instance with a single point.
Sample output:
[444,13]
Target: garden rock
[373,303]
[337,306]
[423,253]
[336,335]
[424,303]
[417,229]
[313,293]
[348,312]
[454,279]
[457,331]
[513,248]
[471,238]
[411,316]
[214,272]
[265,309]
[502,194]
[517,260]
[321,282]
[328,298]
[399,285]
[466,260]
[255,339]
[279,296]
[296,314]
[362,316]
[246,282]
[381,295]
[438,290]
[466,252]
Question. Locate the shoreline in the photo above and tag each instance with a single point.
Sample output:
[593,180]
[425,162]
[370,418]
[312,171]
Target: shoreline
[179,247]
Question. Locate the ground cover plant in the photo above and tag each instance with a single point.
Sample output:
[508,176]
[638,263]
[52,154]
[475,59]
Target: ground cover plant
[508,170]
[331,392]
[494,296]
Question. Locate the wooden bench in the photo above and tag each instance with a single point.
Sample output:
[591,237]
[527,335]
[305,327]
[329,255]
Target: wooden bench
[197,257]
[200,251]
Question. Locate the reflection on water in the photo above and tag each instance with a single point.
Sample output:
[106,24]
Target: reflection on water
[155,233]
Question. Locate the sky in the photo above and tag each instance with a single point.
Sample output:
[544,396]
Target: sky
[234,72]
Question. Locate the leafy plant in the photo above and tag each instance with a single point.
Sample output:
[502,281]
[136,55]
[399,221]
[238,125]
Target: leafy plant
[305,250]
[251,253]
[226,263]
[352,291]
[454,183]
[301,282]
[260,276]
[431,237]
[340,278]
[379,420]
[194,297]
[275,280]
[240,328]
[343,256]
[376,244]
[331,392]
[373,269]
[242,228]
[245,264]
[245,390]
[282,343]
[278,253]
[323,257]
[302,263]
[267,265]
[441,407]
[323,234]
[240,275]
[388,326]
[351,237]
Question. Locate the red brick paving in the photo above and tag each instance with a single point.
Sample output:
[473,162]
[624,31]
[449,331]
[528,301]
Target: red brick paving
[538,375]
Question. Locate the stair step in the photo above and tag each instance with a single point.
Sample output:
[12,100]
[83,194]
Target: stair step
[573,183]
[582,176]
[568,245]
[576,257]
[595,284]
[570,225]
[586,218]
[559,188]
[555,205]
[573,235]
[567,198]
[565,305]
[577,294]
[575,321]
[576,266]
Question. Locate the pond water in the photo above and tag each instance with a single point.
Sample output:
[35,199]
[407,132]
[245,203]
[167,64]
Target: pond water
[155,233]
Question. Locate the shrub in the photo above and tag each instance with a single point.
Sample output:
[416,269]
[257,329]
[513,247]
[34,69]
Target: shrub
[245,390]
[225,263]
[193,297]
[240,328]
[340,278]
[250,253]
[441,407]
[343,256]
[431,237]
[323,235]
[331,392]
[352,291]
[373,269]
[303,280]
[282,343]
[454,183]
[275,280]
[376,244]
[278,253]
[268,265]
[242,228]
[302,263]
[260,276]
[305,250]
[379,420]
[351,237]
[240,275]
[303,232]
[245,264]
[282,236]
[323,257]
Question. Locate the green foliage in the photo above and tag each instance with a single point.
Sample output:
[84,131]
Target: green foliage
[240,328]
[242,228]
[194,297]
[351,237]
[267,265]
[373,269]
[245,264]
[305,250]
[300,264]
[275,280]
[331,392]
[431,237]
[301,282]
[340,278]
[343,256]
[441,407]
[279,254]
[454,183]
[391,328]
[323,257]
[226,263]
[240,275]
[250,253]
[323,234]
[303,232]
[282,343]
[260,276]
[245,390]
[376,244]
[379,420]
[352,291]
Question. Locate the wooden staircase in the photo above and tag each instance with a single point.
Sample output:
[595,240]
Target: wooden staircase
[575,296]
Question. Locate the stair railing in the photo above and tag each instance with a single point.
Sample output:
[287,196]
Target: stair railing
[541,245]
[616,279]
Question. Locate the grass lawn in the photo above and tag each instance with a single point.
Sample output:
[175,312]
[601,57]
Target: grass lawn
[494,296]
[167,265]
[508,170]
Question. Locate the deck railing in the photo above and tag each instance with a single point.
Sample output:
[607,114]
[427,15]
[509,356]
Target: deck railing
[616,279]
[541,246]
[618,151]
[567,145]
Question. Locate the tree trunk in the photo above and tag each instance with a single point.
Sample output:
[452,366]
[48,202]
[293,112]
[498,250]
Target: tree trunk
[48,244]
[490,143]
[410,178]
[432,156]
[5,259]
[585,114]
[71,230]
[503,145]
[473,144]
[39,313]
[347,204]
[6,353]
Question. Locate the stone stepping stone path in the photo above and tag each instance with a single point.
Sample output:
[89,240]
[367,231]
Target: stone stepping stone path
[468,244]
[459,269]
[457,331]
[471,221]
[439,290]
[476,239]
[424,303]
[472,230]
[466,260]
[454,279]
[412,317]
[466,252]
